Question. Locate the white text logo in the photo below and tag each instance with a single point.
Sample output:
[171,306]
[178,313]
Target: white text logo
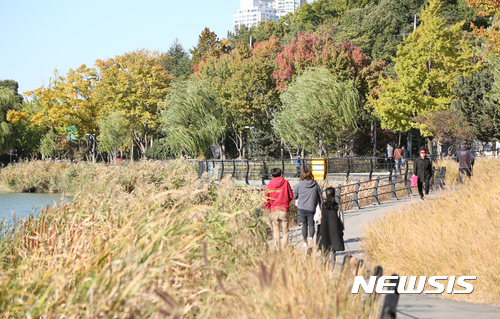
[378,284]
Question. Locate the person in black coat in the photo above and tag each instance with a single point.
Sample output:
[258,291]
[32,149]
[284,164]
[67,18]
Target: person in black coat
[332,226]
[422,168]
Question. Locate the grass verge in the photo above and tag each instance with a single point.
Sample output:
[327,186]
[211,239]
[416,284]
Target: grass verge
[455,233]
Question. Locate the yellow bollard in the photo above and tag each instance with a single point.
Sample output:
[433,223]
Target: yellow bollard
[319,168]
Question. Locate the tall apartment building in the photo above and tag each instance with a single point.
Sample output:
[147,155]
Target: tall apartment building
[283,7]
[252,12]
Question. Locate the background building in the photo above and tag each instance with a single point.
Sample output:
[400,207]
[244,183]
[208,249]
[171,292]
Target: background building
[252,12]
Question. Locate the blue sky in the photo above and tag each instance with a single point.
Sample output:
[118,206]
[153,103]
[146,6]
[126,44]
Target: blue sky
[39,36]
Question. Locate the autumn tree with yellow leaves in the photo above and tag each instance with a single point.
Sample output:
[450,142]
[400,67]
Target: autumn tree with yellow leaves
[68,101]
[134,84]
[427,66]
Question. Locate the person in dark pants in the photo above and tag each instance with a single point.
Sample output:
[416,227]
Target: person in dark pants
[465,161]
[308,192]
[297,164]
[331,233]
[389,156]
[422,168]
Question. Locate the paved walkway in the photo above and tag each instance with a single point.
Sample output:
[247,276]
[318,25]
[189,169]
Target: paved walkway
[410,306]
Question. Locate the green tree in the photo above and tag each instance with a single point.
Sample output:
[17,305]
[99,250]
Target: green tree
[427,66]
[208,45]
[476,106]
[114,134]
[48,145]
[135,84]
[378,28]
[160,150]
[244,81]
[345,60]
[7,102]
[14,87]
[194,119]
[262,32]
[177,61]
[319,111]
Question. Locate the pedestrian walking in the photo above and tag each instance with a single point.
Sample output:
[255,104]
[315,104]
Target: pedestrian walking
[406,155]
[422,168]
[278,197]
[465,161]
[331,233]
[398,155]
[308,193]
[297,164]
[389,156]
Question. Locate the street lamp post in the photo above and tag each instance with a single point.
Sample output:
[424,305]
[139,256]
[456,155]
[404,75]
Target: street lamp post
[374,131]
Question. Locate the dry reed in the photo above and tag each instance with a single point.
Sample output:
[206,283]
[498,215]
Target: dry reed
[454,233]
[173,247]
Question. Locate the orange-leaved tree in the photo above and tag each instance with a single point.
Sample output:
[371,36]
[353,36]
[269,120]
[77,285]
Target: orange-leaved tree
[487,8]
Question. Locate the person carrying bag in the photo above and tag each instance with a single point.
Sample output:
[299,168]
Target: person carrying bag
[308,192]
[331,234]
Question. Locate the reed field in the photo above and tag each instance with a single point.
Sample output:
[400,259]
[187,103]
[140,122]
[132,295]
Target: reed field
[455,233]
[451,178]
[156,243]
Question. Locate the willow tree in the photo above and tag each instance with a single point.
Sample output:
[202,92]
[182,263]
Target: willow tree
[194,119]
[7,102]
[114,134]
[319,112]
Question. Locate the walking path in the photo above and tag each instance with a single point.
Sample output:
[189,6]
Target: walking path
[419,306]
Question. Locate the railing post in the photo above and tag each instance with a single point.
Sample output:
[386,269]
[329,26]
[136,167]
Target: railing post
[247,171]
[264,173]
[283,166]
[431,181]
[375,191]
[393,187]
[355,203]
[221,169]
[337,193]
[443,176]
[348,168]
[325,170]
[391,300]
[213,168]
[408,193]
[371,168]
[201,169]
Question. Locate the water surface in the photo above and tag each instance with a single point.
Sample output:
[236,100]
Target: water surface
[24,205]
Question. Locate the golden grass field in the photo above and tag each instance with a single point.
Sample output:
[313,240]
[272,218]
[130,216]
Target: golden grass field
[456,233]
[149,240]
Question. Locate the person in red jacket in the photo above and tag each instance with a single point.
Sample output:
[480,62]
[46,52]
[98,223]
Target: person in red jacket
[278,197]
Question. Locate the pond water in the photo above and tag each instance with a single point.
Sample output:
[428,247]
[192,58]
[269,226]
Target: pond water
[24,205]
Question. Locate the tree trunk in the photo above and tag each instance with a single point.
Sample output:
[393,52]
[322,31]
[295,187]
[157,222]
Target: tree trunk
[223,147]
[281,147]
[429,146]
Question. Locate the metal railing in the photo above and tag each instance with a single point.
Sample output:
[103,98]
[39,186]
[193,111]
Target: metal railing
[385,185]
[247,170]
[372,192]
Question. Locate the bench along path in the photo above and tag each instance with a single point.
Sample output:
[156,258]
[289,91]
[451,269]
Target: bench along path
[419,306]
